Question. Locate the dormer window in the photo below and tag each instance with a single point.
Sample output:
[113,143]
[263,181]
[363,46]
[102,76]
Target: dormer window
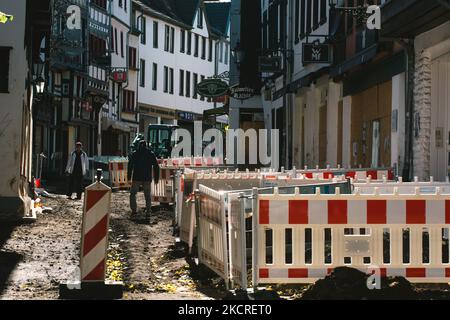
[200,18]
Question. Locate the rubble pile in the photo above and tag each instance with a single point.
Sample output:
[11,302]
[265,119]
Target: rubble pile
[351,284]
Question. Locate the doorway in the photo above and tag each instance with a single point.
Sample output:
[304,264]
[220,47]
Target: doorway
[440,118]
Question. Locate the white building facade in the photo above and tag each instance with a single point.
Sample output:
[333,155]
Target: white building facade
[16,99]
[175,54]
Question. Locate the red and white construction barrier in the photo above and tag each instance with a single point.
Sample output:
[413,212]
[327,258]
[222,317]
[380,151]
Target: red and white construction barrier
[162,192]
[91,283]
[94,241]
[393,234]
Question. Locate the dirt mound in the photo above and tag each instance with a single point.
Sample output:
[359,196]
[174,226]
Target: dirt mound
[351,284]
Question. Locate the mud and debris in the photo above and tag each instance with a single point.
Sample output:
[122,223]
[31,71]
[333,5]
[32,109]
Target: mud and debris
[142,253]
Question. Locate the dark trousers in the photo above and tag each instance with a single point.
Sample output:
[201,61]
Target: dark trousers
[75,184]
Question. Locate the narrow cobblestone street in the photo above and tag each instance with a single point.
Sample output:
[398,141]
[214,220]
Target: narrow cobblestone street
[36,257]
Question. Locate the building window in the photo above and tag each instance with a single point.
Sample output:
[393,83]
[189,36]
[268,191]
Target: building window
[100,3]
[155,34]
[297,21]
[155,77]
[172,40]
[196,45]
[4,69]
[182,40]
[194,86]
[308,16]
[125,5]
[273,26]
[188,84]
[200,18]
[121,3]
[226,53]
[166,79]
[128,98]
[316,15]
[203,48]
[121,44]
[143,30]
[323,11]
[167,38]
[189,43]
[350,18]
[132,57]
[210,51]
[115,40]
[221,52]
[264,31]
[97,47]
[171,80]
[112,40]
[181,89]
[302,19]
[202,98]
[142,73]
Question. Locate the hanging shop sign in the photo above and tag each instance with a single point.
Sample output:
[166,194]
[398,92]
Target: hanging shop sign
[66,40]
[316,53]
[86,105]
[269,64]
[242,93]
[211,88]
[119,76]
[186,116]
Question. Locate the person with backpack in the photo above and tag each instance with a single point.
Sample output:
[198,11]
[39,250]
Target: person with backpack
[141,166]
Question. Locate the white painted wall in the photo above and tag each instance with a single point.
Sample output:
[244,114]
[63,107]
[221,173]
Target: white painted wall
[346,135]
[398,137]
[15,145]
[432,101]
[334,96]
[297,131]
[177,61]
[122,14]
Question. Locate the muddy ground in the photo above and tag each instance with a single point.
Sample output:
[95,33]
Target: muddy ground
[36,257]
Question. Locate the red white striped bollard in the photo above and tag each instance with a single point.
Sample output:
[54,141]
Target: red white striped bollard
[94,245]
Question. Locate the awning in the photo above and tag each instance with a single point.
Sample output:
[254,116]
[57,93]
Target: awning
[216,111]
[114,124]
[308,79]
[360,58]
[409,18]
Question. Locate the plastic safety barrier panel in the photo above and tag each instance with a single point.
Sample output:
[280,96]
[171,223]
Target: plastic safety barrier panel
[401,187]
[162,192]
[301,238]
[212,233]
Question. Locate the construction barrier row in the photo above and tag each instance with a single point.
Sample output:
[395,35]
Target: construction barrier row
[186,162]
[301,238]
[229,181]
[221,226]
[162,192]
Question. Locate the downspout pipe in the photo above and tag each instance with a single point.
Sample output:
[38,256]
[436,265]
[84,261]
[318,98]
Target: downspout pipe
[408,163]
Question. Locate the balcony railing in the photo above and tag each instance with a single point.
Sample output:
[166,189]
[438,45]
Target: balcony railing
[99,21]
[98,79]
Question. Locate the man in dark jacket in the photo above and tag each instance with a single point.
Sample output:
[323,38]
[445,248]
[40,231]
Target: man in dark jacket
[77,167]
[140,167]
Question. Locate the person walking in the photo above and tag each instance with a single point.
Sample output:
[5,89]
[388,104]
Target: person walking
[77,167]
[141,164]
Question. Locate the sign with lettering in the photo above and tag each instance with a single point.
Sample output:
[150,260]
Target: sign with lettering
[119,76]
[241,93]
[269,64]
[316,53]
[211,88]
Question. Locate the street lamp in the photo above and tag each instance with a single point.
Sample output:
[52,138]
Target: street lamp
[38,79]
[238,54]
